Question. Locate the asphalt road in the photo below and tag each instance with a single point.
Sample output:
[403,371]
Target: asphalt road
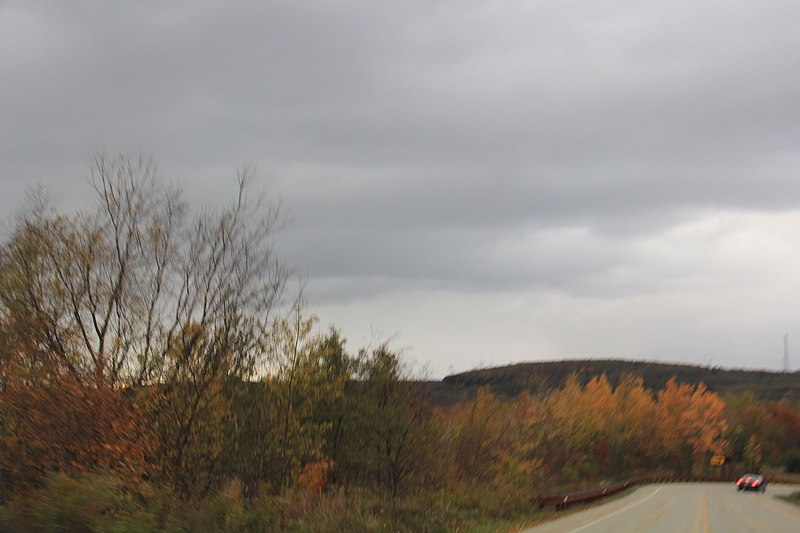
[685,507]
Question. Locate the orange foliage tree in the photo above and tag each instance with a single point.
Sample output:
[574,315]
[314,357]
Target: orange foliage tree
[475,432]
[578,420]
[692,424]
[631,427]
[53,421]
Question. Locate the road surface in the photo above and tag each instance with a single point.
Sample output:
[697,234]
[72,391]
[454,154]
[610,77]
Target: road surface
[685,507]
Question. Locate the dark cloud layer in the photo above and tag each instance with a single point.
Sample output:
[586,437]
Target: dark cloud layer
[542,152]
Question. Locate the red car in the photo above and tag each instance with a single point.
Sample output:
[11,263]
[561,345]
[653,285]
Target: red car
[751,482]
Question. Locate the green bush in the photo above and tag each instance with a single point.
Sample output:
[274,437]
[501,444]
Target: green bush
[97,503]
[103,504]
[222,514]
[791,460]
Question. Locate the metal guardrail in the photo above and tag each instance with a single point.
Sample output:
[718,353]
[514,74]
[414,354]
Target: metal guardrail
[562,501]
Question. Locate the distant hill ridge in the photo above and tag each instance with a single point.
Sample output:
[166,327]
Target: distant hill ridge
[537,377]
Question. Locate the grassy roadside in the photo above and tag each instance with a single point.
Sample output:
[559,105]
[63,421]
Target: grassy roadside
[103,503]
[793,498]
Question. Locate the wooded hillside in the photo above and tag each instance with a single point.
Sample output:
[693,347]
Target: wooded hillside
[540,377]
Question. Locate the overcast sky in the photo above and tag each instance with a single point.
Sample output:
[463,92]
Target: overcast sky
[483,181]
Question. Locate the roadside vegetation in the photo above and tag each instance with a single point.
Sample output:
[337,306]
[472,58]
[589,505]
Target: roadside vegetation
[152,380]
[792,498]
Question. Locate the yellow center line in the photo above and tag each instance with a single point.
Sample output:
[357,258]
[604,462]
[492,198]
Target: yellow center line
[701,522]
[705,513]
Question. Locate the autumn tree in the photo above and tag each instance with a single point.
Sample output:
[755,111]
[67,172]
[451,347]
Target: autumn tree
[51,421]
[279,428]
[337,413]
[108,289]
[787,416]
[632,426]
[474,436]
[86,282]
[579,418]
[385,441]
[523,456]
[692,424]
[139,292]
[776,425]
[302,383]
[753,456]
[190,411]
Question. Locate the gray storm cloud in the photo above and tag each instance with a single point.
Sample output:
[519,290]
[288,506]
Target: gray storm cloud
[511,164]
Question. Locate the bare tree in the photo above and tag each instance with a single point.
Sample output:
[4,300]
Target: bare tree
[110,290]
[139,292]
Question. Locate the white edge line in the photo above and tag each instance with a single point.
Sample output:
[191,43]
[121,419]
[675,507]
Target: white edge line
[618,511]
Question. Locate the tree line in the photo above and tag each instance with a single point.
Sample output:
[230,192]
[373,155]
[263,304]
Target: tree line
[144,339]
